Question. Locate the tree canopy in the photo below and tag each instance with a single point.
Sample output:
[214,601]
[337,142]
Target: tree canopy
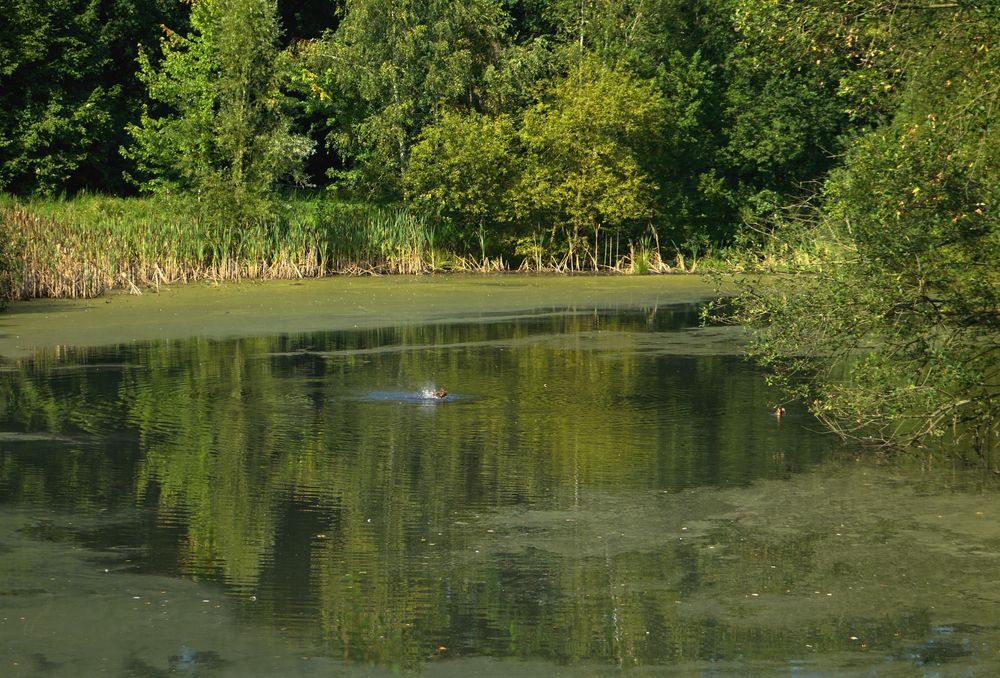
[893,334]
[216,123]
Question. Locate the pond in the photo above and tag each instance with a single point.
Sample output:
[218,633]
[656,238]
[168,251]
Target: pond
[270,488]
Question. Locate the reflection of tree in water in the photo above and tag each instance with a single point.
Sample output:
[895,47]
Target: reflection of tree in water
[187,661]
[360,524]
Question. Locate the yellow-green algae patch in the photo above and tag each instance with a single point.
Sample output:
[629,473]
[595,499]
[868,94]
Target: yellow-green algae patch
[337,303]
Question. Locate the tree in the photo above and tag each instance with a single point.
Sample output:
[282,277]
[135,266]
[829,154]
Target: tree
[218,125]
[390,68]
[893,332]
[67,89]
[584,145]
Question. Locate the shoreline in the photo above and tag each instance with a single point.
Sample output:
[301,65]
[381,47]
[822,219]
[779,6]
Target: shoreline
[250,308]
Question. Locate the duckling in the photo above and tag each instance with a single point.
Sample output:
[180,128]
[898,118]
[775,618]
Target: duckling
[440,393]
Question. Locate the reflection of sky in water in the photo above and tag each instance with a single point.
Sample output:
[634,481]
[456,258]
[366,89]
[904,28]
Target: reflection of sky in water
[597,490]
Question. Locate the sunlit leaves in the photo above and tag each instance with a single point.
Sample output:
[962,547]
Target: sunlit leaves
[462,168]
[899,322]
[218,125]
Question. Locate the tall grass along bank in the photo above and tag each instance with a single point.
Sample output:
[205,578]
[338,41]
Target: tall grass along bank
[81,247]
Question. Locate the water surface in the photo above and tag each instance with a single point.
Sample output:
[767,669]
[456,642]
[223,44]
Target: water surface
[602,488]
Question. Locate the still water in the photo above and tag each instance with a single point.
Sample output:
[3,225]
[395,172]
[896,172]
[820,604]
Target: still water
[603,488]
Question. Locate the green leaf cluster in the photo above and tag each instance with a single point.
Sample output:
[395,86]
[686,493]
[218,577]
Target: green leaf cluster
[218,125]
[462,169]
[68,87]
[892,333]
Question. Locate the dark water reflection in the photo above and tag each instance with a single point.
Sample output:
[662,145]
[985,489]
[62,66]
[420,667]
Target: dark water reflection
[598,490]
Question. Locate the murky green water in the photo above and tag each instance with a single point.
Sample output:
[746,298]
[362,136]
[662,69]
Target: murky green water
[603,487]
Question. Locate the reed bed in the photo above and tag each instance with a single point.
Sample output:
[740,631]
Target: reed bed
[81,247]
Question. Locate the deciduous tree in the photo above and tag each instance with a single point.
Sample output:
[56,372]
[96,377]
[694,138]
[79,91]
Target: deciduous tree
[585,143]
[892,333]
[217,125]
[390,68]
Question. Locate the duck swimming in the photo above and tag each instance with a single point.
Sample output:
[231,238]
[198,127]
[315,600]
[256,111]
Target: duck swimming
[779,411]
[440,393]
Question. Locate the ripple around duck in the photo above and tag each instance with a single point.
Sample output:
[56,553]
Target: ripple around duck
[424,397]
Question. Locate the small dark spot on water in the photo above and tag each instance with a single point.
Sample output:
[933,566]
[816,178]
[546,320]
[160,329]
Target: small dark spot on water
[842,569]
[38,663]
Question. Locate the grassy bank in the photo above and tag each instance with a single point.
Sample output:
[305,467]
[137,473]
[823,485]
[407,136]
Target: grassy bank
[80,247]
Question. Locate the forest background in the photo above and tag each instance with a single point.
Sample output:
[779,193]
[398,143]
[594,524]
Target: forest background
[853,144]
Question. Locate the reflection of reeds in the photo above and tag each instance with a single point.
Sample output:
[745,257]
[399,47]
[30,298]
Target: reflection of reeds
[81,247]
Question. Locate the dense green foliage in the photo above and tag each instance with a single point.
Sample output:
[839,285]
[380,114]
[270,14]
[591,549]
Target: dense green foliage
[854,140]
[218,96]
[68,87]
[747,105]
[894,333]
[222,132]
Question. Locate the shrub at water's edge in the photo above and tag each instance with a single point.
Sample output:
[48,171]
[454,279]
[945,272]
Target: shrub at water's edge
[892,332]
